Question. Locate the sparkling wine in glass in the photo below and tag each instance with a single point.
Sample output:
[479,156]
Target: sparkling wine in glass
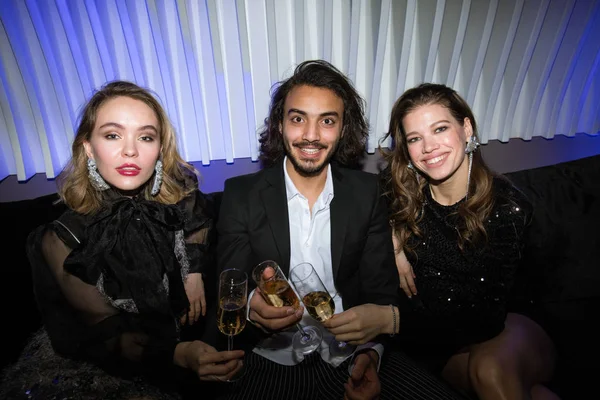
[276,291]
[231,315]
[318,301]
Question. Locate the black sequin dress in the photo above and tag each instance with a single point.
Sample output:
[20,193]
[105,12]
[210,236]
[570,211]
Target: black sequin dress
[462,295]
[110,289]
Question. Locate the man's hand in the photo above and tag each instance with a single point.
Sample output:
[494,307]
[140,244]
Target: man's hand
[363,383]
[208,363]
[270,317]
[360,324]
[194,289]
[405,270]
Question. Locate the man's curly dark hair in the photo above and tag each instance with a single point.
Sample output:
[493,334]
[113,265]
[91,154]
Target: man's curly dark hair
[321,74]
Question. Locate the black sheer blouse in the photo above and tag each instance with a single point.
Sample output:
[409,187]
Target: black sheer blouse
[110,286]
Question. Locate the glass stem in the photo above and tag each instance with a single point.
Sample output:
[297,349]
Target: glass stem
[305,336]
[229,342]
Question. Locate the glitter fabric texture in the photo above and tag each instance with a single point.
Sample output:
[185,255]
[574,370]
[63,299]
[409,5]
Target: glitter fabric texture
[462,295]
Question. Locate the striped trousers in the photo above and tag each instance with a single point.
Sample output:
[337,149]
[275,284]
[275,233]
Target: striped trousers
[314,379]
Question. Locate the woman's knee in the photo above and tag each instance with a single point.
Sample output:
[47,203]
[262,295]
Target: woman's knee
[532,346]
[488,370]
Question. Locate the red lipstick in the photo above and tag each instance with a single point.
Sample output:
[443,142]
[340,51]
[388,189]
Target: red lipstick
[129,170]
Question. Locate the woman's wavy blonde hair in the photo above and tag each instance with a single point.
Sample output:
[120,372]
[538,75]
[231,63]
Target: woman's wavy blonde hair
[406,185]
[74,186]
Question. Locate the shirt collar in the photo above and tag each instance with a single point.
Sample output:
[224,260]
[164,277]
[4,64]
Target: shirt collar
[292,191]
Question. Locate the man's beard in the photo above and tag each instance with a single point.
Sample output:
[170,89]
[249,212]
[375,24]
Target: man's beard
[311,169]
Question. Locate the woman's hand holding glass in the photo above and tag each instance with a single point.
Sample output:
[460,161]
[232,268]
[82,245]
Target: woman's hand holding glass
[361,324]
[208,363]
[278,307]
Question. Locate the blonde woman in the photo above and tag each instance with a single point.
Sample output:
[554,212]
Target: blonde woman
[119,276]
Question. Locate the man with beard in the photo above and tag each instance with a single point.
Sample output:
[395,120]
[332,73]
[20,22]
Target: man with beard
[312,204]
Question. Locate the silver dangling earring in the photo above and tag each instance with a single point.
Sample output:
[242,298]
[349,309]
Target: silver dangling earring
[472,145]
[95,178]
[158,178]
[469,175]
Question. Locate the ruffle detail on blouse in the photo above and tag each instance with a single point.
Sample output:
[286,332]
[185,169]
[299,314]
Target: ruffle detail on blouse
[129,252]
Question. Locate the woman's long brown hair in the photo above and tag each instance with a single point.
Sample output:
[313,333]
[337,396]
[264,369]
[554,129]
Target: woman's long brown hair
[405,185]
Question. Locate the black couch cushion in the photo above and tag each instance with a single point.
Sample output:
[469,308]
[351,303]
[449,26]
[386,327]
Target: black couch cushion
[560,270]
[563,246]
[21,313]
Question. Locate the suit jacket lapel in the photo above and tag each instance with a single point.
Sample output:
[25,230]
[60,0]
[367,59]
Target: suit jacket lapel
[275,202]
[339,214]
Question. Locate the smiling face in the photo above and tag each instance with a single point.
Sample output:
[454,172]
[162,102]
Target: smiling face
[436,144]
[311,128]
[125,143]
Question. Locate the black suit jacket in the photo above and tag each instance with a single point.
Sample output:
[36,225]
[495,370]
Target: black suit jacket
[253,226]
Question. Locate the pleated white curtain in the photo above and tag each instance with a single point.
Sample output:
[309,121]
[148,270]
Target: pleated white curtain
[527,67]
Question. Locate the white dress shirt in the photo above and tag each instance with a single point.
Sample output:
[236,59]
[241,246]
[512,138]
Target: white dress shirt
[310,241]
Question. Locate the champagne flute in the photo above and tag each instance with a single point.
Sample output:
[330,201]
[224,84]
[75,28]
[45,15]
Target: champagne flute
[276,291]
[318,302]
[231,315]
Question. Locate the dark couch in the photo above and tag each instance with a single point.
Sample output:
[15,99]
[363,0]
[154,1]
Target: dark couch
[560,271]
[559,278]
